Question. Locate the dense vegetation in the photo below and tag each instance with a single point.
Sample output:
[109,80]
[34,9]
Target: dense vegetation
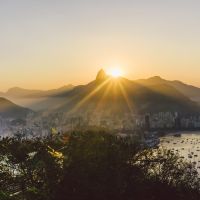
[92,166]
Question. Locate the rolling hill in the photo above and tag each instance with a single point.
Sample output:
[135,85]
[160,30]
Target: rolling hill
[25,93]
[11,110]
[111,95]
[36,100]
[188,90]
[122,95]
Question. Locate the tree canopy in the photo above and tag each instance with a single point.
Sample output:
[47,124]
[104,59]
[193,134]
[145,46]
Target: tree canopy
[92,165]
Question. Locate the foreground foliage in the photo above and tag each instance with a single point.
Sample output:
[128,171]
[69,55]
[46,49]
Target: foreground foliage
[92,165]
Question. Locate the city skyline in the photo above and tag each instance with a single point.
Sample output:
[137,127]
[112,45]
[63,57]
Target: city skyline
[48,44]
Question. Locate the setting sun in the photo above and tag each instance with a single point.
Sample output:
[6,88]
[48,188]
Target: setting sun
[115,73]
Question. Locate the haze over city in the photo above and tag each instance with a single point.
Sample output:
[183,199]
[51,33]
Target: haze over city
[47,44]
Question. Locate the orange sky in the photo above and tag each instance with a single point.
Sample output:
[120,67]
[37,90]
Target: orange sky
[47,44]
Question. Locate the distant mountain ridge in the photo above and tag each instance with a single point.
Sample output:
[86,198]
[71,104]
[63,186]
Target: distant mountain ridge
[36,99]
[26,93]
[11,110]
[117,95]
[188,90]
[123,95]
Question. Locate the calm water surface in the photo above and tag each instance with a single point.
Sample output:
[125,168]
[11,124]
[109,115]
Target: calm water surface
[188,146]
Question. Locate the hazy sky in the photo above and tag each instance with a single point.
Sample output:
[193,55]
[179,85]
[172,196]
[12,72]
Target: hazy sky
[48,43]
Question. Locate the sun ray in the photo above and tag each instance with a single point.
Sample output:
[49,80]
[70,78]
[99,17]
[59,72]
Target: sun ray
[125,95]
[103,96]
[86,98]
[115,73]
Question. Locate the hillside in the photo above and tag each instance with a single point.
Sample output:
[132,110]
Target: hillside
[106,94]
[11,110]
[36,100]
[25,93]
[122,95]
[188,90]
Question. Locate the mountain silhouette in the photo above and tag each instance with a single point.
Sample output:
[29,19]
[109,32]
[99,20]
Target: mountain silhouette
[101,75]
[25,93]
[36,99]
[188,90]
[120,95]
[112,95]
[11,110]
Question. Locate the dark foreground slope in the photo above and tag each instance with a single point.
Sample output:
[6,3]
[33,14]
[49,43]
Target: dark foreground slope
[93,166]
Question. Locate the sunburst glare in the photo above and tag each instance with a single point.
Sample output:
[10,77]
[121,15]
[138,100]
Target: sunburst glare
[115,72]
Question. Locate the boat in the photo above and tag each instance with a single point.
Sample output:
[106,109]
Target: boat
[189,156]
[177,135]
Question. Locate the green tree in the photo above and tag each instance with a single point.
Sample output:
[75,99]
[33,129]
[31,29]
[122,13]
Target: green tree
[92,165]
